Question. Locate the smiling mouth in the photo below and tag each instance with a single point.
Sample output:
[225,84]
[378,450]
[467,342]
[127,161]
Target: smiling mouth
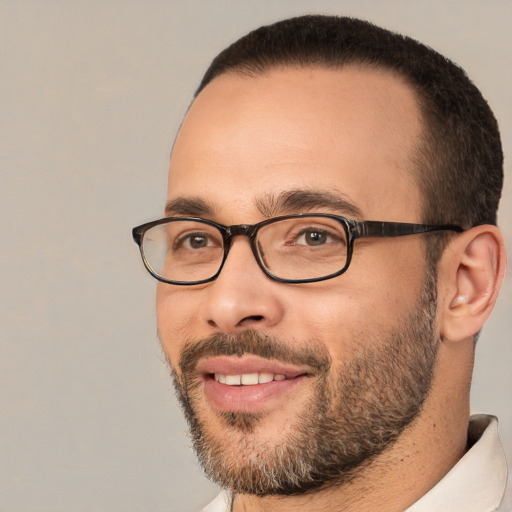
[250,379]
[249,383]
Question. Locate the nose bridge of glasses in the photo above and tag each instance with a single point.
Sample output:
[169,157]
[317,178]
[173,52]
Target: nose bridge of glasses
[241,229]
[246,230]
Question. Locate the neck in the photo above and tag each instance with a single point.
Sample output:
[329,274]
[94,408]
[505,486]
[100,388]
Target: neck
[426,450]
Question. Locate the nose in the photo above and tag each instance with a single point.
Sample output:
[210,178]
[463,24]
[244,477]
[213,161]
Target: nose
[242,297]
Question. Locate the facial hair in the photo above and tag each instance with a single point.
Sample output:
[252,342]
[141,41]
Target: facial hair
[355,412]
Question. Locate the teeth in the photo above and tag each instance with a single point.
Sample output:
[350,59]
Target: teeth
[248,379]
[263,378]
[233,380]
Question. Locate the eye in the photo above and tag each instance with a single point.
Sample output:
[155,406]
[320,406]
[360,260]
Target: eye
[193,241]
[304,234]
[196,241]
[313,237]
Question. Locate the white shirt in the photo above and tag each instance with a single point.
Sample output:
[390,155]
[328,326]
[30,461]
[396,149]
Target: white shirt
[476,483]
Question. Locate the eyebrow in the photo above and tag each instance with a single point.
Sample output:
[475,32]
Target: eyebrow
[301,200]
[188,207]
[270,205]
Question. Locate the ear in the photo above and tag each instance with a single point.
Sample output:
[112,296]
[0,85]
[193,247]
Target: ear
[470,274]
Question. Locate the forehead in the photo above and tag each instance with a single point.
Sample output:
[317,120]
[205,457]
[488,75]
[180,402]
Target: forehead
[351,132]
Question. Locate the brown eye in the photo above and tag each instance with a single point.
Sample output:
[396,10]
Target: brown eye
[197,241]
[315,237]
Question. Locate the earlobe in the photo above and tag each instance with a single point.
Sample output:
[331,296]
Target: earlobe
[471,272]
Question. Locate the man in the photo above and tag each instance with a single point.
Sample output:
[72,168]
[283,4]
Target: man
[328,255]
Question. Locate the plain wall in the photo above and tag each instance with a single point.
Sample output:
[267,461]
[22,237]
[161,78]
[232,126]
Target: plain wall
[91,95]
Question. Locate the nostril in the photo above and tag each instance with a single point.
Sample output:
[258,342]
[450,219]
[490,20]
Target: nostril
[245,320]
[254,318]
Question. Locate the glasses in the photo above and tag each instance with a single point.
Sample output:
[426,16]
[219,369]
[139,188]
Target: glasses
[301,248]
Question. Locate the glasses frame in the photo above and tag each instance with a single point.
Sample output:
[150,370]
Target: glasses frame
[354,229]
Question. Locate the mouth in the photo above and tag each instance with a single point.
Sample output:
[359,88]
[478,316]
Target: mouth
[249,379]
[248,383]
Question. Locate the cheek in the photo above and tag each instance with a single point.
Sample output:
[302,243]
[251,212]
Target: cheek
[354,309]
[175,316]
[388,275]
[325,313]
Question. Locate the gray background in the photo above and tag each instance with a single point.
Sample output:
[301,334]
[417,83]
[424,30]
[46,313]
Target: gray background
[91,96]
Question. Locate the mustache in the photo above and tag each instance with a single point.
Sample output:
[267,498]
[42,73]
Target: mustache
[255,343]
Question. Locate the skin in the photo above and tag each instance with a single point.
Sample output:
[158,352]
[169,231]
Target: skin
[350,132]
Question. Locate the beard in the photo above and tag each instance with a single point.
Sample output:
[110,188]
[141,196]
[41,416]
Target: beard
[354,413]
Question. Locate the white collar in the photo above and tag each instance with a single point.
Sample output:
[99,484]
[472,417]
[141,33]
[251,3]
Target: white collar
[477,482]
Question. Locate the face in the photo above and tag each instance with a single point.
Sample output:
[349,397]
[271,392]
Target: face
[288,387]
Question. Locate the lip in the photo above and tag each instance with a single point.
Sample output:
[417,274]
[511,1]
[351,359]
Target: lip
[248,398]
[233,365]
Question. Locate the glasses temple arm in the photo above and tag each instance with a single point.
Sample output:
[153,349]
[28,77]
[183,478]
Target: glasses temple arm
[382,229]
